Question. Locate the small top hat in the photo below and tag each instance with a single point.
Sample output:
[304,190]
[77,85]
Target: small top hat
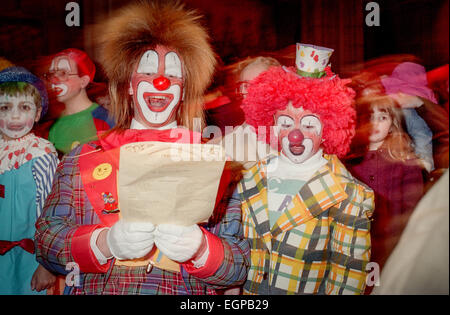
[311,60]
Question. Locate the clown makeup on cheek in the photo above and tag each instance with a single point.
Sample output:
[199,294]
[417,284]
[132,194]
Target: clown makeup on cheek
[300,133]
[157,87]
[60,89]
[61,70]
[17,115]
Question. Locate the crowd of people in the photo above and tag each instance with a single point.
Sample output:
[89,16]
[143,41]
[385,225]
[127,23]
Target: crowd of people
[330,171]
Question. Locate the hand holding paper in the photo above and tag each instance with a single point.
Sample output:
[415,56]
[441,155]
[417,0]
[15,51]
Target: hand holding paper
[179,243]
[130,240]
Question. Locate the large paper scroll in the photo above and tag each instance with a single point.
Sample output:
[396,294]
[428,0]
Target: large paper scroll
[172,183]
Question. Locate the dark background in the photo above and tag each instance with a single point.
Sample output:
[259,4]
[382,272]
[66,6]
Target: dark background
[239,28]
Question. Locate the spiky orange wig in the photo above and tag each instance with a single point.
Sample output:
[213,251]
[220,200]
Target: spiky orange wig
[328,97]
[143,25]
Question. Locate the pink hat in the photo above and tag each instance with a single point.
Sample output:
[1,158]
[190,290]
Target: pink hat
[409,78]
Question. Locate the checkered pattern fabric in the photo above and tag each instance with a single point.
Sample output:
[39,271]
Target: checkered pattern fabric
[68,207]
[319,245]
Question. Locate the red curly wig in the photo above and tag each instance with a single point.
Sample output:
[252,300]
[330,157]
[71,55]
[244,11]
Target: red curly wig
[328,97]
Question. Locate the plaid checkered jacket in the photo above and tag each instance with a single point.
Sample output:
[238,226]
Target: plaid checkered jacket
[319,245]
[68,209]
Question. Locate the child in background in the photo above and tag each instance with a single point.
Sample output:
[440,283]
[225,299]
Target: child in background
[407,85]
[390,167]
[70,73]
[27,166]
[242,143]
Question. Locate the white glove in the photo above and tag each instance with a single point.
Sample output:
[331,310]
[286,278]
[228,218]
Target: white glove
[130,240]
[179,243]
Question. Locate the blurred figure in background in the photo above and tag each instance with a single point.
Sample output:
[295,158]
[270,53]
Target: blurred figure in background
[437,118]
[419,263]
[241,143]
[438,81]
[223,107]
[407,85]
[426,117]
[390,167]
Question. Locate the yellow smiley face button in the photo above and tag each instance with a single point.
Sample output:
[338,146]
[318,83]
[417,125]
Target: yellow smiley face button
[102,171]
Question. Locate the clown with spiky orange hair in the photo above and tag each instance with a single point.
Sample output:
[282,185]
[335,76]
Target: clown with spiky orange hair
[306,216]
[159,62]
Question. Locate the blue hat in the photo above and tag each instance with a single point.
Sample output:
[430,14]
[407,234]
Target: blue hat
[20,74]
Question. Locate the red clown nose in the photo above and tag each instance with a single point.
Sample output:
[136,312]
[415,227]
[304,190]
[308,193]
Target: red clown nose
[161,83]
[295,137]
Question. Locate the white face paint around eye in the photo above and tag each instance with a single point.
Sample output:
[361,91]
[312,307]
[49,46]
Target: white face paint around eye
[311,124]
[285,122]
[148,63]
[17,115]
[173,65]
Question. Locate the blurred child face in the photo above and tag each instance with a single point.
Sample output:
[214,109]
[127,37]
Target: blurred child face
[300,135]
[157,87]
[17,115]
[249,73]
[381,122]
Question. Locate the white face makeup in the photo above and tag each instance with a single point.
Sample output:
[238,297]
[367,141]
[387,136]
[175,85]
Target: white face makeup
[173,65]
[17,115]
[300,133]
[148,63]
[60,64]
[157,87]
[156,107]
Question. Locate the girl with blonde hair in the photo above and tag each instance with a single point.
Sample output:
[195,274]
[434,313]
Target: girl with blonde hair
[389,166]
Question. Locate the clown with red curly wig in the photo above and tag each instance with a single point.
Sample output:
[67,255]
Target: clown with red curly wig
[307,218]
[328,98]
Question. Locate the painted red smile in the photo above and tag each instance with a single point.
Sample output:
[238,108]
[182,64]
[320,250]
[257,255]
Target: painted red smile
[57,90]
[158,102]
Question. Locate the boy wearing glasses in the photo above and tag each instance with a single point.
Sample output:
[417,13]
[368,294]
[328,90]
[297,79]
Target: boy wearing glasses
[70,72]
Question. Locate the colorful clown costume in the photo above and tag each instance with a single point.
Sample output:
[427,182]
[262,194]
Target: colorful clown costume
[319,245]
[76,208]
[27,166]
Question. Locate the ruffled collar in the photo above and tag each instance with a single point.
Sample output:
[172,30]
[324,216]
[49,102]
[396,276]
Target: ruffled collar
[16,152]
